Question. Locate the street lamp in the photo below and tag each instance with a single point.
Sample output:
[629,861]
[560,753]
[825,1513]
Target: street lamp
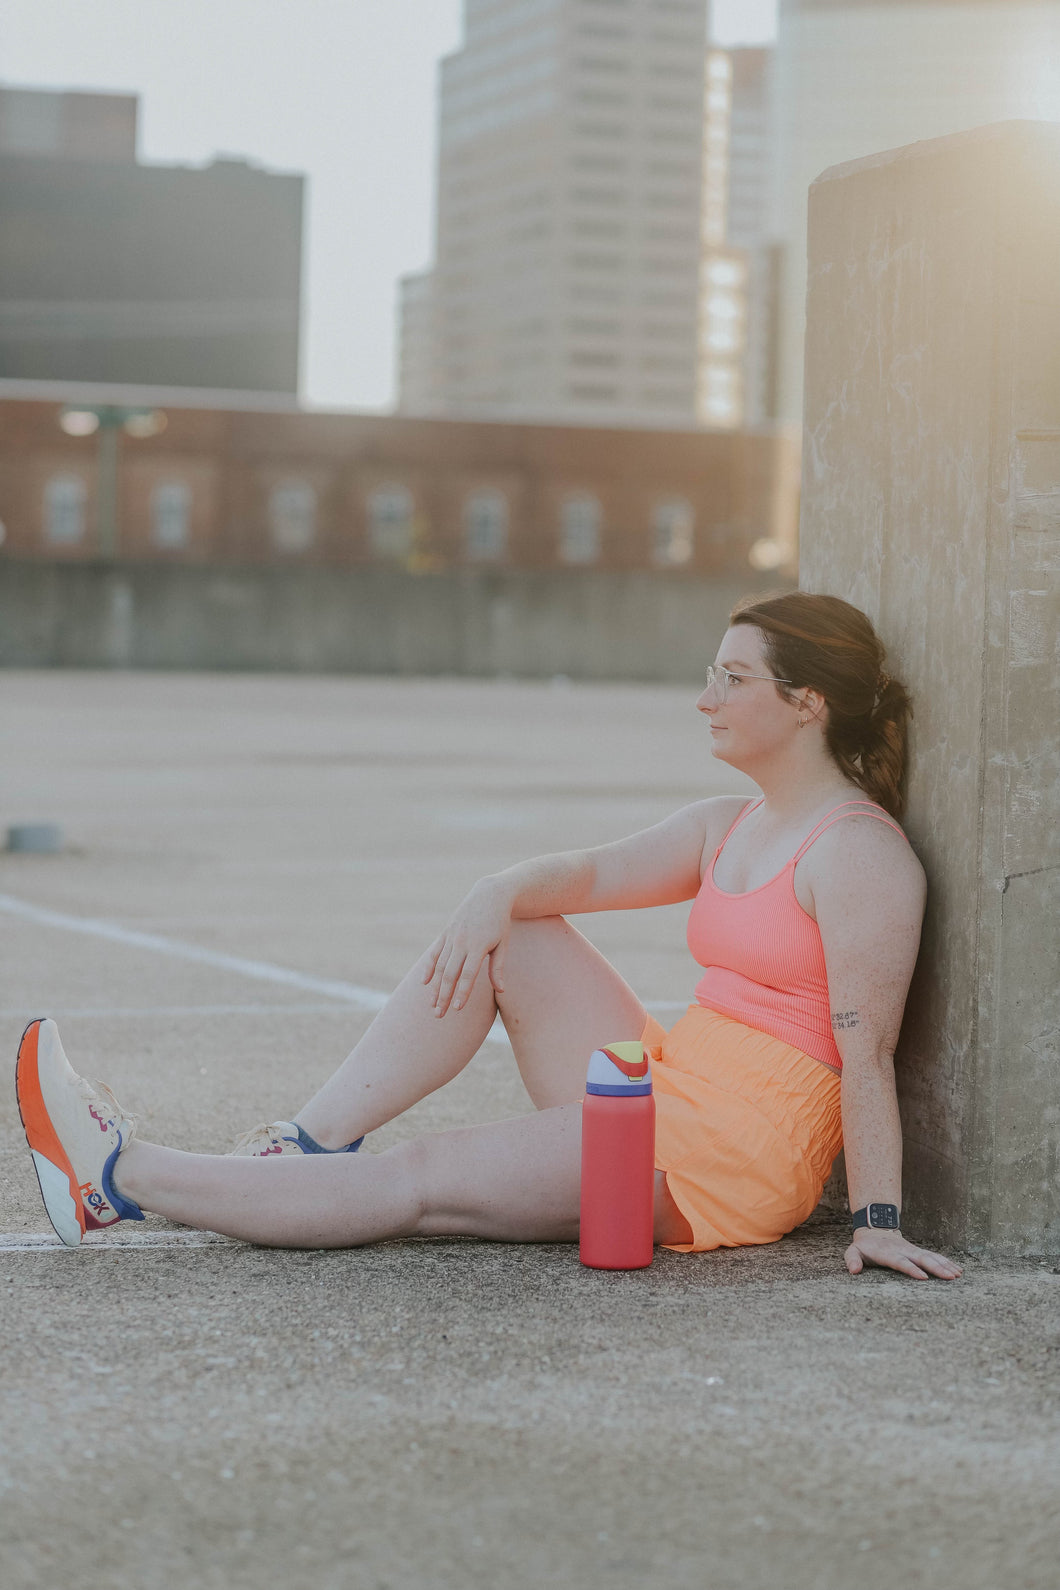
[107,421]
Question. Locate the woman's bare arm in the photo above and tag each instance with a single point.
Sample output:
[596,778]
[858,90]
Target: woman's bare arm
[869,892]
[657,866]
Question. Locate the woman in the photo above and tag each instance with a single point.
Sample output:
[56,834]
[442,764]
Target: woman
[806,919]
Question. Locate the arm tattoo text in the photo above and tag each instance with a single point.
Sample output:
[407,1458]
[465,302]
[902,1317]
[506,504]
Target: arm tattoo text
[843,1020]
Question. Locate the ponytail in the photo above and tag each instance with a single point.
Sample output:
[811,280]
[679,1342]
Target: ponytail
[871,750]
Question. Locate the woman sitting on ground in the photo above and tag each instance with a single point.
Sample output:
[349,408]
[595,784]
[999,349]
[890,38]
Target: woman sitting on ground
[806,921]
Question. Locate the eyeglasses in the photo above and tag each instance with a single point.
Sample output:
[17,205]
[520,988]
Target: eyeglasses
[719,679]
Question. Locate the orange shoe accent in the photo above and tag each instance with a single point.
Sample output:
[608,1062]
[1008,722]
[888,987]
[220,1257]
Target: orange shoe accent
[40,1132]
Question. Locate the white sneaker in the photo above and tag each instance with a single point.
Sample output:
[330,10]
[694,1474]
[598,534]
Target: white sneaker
[284,1137]
[75,1133]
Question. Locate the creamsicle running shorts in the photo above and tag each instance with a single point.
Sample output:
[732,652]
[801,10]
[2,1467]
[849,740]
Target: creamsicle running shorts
[746,1128]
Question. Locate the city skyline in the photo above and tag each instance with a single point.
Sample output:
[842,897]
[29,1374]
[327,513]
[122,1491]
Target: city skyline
[340,72]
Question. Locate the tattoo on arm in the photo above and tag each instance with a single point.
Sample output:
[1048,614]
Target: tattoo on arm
[843,1020]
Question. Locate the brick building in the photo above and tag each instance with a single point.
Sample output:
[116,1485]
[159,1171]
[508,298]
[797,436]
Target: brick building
[199,482]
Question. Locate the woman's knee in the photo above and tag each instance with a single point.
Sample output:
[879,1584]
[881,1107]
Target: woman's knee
[538,930]
[534,942]
[409,1164]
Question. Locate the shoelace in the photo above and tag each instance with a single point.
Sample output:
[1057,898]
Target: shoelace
[265,1135]
[98,1092]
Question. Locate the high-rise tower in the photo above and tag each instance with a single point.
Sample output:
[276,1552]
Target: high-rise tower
[568,235]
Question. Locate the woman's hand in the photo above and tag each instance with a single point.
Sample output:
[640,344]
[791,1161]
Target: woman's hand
[891,1251]
[477,932]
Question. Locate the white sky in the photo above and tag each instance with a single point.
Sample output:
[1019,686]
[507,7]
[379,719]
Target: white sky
[343,90]
[743,21]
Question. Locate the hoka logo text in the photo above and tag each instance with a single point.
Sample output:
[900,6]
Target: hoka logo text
[95,1200]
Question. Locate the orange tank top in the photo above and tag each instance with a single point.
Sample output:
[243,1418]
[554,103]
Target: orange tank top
[762,954]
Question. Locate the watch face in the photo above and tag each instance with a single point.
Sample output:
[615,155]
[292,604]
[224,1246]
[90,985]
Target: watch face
[883,1217]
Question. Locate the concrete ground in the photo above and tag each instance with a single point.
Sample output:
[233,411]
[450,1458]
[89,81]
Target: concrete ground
[186,1411]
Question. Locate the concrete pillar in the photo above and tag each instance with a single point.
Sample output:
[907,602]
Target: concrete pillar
[931,498]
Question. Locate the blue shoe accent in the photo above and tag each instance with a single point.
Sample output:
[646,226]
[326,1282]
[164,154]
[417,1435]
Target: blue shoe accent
[309,1145]
[125,1207]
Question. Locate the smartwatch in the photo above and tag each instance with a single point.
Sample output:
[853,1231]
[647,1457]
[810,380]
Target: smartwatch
[878,1217]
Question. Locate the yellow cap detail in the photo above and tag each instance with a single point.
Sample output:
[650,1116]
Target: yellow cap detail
[629,1057]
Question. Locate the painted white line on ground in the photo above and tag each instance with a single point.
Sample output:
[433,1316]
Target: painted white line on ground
[46,1241]
[263,971]
[371,999]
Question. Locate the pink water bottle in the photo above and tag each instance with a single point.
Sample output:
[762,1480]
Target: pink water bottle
[618,1160]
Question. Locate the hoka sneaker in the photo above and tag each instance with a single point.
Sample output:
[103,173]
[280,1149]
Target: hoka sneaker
[284,1137]
[75,1133]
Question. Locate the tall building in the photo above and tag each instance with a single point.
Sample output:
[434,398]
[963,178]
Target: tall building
[567,271]
[737,340]
[416,376]
[749,225]
[116,272]
[856,77]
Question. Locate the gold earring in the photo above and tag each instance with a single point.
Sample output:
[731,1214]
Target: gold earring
[801,724]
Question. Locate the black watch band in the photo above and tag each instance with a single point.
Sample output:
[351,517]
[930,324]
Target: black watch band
[878,1217]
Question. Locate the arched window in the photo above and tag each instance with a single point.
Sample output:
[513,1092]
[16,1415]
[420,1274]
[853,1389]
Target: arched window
[579,529]
[673,525]
[293,515]
[64,509]
[486,526]
[390,527]
[171,514]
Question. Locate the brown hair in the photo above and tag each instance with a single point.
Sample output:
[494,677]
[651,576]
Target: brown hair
[823,643]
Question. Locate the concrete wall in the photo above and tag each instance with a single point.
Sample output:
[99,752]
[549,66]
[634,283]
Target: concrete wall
[931,498]
[589,625]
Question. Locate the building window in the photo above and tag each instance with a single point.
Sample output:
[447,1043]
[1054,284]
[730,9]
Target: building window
[292,515]
[592,394]
[720,395]
[673,523]
[594,360]
[390,521]
[579,529]
[64,509]
[171,514]
[486,526]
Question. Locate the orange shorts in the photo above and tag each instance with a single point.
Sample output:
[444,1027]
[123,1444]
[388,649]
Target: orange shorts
[746,1128]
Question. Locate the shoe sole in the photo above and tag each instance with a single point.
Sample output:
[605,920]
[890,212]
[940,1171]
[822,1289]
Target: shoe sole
[55,1176]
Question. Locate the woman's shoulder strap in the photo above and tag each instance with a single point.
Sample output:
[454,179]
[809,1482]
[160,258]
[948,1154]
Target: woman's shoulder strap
[745,811]
[836,815]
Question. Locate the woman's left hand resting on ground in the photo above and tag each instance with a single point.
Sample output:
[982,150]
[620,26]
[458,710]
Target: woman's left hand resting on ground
[891,1251]
[868,892]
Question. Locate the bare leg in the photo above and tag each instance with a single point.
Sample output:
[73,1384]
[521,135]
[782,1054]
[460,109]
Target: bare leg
[562,999]
[511,1181]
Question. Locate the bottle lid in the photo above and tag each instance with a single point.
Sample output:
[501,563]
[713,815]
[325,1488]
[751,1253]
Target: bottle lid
[620,1070]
